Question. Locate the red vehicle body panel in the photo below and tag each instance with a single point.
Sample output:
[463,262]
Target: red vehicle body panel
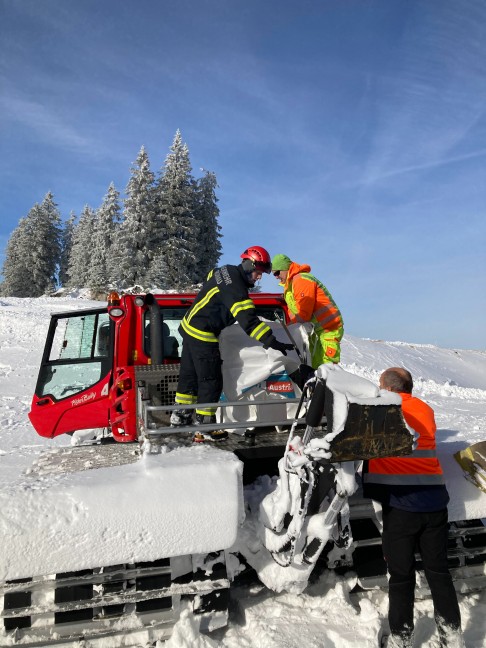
[51,418]
[111,402]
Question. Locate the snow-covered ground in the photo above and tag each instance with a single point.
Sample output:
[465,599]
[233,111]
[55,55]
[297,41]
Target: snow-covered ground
[325,615]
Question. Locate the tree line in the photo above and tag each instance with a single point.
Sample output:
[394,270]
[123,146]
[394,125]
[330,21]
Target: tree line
[163,234]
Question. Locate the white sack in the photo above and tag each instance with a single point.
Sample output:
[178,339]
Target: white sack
[246,363]
[252,373]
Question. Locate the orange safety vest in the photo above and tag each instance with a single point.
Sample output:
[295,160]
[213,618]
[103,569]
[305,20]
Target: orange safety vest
[421,468]
[309,300]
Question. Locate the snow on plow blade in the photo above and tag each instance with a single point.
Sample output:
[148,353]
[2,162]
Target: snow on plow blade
[372,432]
[361,421]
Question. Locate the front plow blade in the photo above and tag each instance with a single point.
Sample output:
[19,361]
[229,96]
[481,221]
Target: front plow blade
[473,461]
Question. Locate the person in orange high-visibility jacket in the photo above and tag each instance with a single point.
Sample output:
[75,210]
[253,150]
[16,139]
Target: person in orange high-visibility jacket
[414,500]
[310,301]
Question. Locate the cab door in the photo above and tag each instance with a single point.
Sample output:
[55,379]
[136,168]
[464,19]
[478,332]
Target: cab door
[73,384]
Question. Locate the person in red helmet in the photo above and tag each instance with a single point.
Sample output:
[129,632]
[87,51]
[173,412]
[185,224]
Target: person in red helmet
[222,300]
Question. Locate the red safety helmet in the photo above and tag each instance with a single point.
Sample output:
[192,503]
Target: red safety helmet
[256,258]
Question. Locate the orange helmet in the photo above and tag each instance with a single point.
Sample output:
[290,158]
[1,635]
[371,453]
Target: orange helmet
[256,258]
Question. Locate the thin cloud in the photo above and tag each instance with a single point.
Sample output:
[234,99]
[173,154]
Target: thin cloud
[44,122]
[426,165]
[430,98]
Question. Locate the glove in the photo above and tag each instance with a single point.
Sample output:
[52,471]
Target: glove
[279,346]
[302,375]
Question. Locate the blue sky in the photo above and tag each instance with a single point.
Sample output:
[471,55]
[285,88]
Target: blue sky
[347,134]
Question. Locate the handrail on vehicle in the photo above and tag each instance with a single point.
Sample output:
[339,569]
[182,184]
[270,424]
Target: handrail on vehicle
[146,409]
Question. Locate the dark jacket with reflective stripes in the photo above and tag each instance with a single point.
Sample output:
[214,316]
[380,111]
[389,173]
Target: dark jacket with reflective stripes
[412,483]
[222,300]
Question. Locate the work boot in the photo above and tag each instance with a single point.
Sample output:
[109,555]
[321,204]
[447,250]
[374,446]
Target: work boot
[208,435]
[180,417]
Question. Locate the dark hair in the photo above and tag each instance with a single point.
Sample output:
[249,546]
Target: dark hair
[397,379]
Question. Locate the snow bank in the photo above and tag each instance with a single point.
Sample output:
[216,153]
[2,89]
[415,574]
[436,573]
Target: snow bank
[428,364]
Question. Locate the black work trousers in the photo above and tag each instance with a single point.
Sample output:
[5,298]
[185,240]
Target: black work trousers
[404,533]
[200,372]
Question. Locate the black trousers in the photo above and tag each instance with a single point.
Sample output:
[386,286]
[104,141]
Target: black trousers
[404,533]
[200,372]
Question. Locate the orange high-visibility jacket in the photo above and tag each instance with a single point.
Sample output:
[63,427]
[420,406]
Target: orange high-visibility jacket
[309,300]
[421,467]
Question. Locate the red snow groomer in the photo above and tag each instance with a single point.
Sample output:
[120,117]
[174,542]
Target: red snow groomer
[95,360]
[116,368]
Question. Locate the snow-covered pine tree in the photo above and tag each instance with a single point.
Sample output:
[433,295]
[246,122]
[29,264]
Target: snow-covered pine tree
[108,217]
[209,245]
[66,245]
[136,238]
[45,246]
[82,249]
[15,270]
[177,206]
[157,272]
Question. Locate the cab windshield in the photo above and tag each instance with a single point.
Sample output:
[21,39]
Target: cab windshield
[77,354]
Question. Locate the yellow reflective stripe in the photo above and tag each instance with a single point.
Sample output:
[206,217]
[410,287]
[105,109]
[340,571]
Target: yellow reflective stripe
[210,274]
[195,309]
[185,399]
[206,412]
[242,305]
[204,336]
[260,330]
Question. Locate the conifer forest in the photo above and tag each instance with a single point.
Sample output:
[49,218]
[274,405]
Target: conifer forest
[163,234]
